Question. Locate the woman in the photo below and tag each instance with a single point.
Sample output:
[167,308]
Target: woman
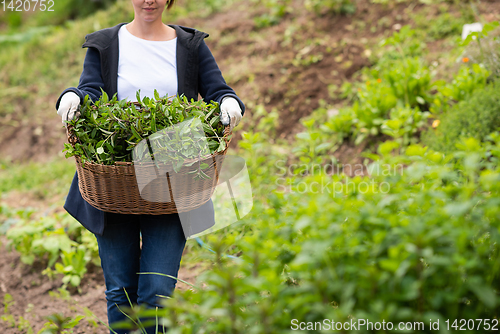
[144,54]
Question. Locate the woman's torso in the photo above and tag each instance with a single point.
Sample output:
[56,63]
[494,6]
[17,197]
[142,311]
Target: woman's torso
[145,65]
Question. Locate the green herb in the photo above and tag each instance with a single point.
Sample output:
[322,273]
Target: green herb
[109,130]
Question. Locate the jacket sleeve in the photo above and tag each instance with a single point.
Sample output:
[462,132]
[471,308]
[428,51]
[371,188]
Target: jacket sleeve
[90,80]
[212,86]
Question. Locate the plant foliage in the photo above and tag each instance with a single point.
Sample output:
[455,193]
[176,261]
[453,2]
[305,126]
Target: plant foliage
[425,247]
[475,117]
[108,130]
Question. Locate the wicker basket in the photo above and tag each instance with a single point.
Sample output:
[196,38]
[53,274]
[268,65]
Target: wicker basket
[114,188]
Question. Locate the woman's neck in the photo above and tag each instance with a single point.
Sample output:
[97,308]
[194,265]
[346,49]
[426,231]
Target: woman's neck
[152,31]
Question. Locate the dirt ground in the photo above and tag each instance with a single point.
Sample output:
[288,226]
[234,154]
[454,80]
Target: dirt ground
[35,296]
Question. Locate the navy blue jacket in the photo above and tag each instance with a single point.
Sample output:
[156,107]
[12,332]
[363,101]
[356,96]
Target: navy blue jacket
[197,73]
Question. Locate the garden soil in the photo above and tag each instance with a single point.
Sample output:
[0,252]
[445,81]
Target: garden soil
[35,296]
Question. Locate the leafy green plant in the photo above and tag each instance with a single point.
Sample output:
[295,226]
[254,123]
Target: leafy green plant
[107,131]
[58,240]
[410,79]
[9,216]
[264,120]
[398,81]
[7,317]
[92,318]
[424,247]
[339,124]
[407,83]
[410,82]
[404,123]
[474,117]
[310,144]
[35,239]
[24,325]
[73,266]
[467,80]
[374,101]
[59,324]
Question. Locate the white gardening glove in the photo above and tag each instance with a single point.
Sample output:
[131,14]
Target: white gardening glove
[230,112]
[68,105]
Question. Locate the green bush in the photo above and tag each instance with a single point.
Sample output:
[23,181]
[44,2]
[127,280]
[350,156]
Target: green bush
[467,80]
[475,117]
[400,80]
[404,124]
[420,244]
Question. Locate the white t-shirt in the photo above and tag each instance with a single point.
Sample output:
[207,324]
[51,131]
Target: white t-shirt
[145,65]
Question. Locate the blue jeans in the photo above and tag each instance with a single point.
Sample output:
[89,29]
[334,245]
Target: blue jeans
[122,259]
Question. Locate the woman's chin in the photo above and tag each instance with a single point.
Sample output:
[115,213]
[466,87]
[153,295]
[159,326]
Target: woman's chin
[150,17]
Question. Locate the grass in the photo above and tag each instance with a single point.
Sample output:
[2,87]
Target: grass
[44,180]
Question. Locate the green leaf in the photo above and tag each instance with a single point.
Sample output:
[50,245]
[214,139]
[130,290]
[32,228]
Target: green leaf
[135,133]
[304,135]
[323,146]
[178,165]
[222,146]
[75,280]
[73,322]
[484,293]
[214,121]
[105,131]
[490,26]
[104,97]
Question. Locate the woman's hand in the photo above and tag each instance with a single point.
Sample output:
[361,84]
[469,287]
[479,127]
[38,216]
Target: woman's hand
[230,112]
[68,105]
